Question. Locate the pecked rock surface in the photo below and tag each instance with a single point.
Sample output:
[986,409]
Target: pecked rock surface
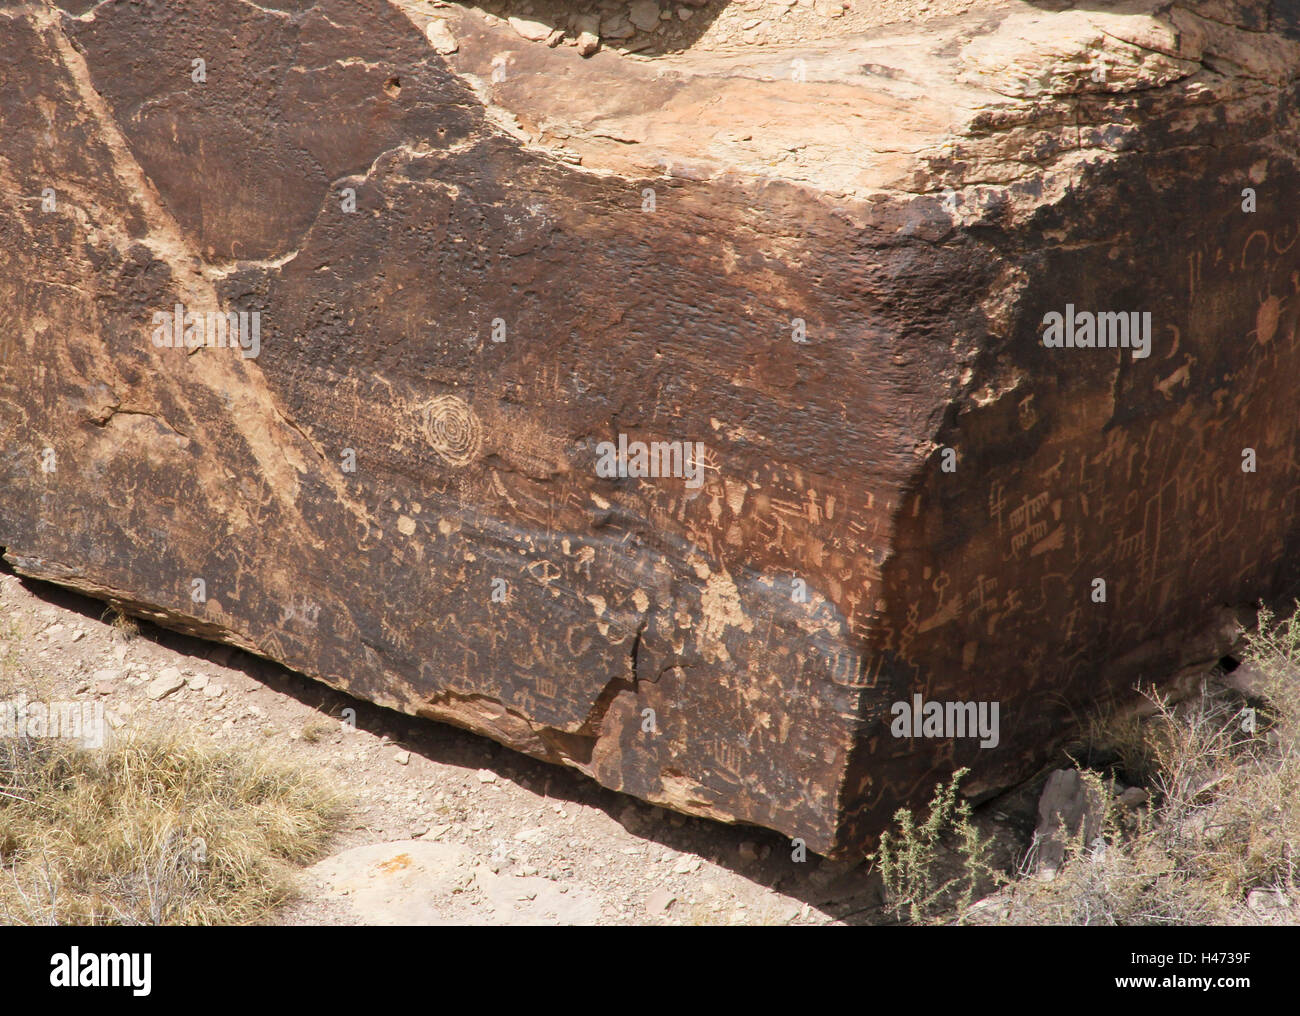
[470,269]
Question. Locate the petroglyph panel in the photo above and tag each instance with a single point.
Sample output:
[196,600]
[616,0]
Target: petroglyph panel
[463,295]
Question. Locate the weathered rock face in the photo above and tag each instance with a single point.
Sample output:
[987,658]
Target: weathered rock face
[465,277]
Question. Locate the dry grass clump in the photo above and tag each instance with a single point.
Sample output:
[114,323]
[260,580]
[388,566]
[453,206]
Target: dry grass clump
[152,832]
[1219,842]
[314,730]
[10,635]
[124,626]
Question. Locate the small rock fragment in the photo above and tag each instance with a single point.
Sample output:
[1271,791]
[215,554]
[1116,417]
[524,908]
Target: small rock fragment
[533,31]
[659,902]
[1067,803]
[440,38]
[616,27]
[644,14]
[167,681]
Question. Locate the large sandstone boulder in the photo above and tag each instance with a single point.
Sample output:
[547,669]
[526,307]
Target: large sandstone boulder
[852,291]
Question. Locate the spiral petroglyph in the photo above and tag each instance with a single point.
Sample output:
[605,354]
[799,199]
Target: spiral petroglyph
[453,430]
